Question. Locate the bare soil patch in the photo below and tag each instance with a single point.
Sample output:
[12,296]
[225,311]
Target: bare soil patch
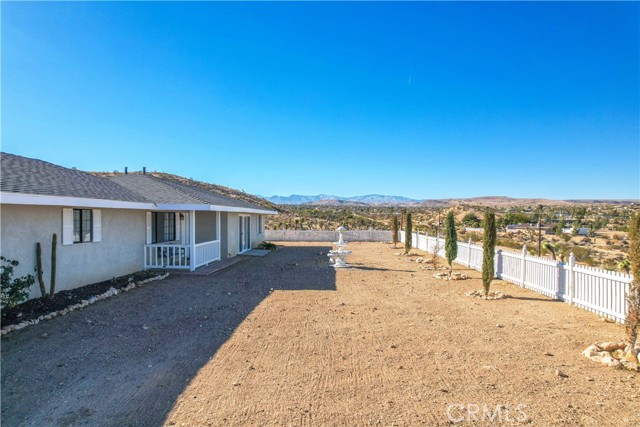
[394,346]
[286,340]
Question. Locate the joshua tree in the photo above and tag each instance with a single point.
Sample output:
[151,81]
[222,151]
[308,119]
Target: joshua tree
[551,248]
[451,240]
[408,229]
[394,231]
[488,250]
[632,322]
[625,266]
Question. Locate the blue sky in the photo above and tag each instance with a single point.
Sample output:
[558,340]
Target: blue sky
[424,100]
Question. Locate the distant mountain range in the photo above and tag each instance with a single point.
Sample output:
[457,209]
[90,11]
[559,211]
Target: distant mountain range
[382,200]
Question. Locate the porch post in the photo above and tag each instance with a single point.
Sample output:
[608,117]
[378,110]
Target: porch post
[192,240]
[218,226]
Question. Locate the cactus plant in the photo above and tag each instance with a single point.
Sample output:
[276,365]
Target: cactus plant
[43,290]
[54,243]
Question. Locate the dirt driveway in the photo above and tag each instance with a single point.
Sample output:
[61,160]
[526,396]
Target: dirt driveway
[380,344]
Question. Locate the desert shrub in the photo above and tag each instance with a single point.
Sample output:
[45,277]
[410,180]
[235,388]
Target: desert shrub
[451,240]
[408,234]
[267,246]
[471,220]
[13,291]
[488,250]
[394,230]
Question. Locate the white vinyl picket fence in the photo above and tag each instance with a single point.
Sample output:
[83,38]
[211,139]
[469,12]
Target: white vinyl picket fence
[600,291]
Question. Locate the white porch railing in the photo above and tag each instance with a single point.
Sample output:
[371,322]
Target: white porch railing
[166,256]
[594,289]
[207,252]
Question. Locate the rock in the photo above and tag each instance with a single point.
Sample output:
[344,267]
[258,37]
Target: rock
[546,353]
[17,327]
[561,374]
[632,356]
[45,335]
[3,332]
[612,346]
[605,358]
[589,379]
[92,300]
[607,320]
[24,324]
[499,326]
[591,351]
[630,365]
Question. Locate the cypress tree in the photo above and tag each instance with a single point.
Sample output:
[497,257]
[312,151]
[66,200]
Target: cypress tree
[632,321]
[394,230]
[408,230]
[488,250]
[451,240]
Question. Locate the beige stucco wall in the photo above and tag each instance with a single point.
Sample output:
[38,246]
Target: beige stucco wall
[233,228]
[119,253]
[205,226]
[224,233]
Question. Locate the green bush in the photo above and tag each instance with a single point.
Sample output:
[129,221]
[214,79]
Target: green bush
[267,246]
[13,291]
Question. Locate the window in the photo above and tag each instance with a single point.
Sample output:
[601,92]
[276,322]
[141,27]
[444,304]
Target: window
[164,227]
[82,225]
[260,224]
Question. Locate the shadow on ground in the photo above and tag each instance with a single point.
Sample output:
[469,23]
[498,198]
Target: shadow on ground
[126,360]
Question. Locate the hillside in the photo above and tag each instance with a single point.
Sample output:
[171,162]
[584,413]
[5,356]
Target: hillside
[485,201]
[326,199]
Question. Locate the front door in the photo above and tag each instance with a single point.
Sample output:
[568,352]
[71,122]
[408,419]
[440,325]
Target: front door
[244,234]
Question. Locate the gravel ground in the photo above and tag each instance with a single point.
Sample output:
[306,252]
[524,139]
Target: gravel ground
[383,343]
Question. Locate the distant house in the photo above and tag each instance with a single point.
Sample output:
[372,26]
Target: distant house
[580,231]
[545,229]
[116,225]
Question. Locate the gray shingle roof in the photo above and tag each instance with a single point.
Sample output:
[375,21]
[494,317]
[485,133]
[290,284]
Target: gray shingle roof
[152,189]
[31,176]
[209,196]
[162,190]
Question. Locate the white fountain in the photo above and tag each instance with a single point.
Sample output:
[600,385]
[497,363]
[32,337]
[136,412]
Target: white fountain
[337,257]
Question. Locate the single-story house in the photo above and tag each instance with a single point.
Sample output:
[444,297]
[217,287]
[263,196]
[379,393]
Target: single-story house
[514,228]
[109,226]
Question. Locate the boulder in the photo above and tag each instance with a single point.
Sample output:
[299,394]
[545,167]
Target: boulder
[592,351]
[612,346]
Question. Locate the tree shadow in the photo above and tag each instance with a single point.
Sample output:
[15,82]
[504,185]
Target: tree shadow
[127,359]
[358,266]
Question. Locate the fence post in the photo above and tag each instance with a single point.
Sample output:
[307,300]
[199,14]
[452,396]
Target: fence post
[559,271]
[572,277]
[469,253]
[523,265]
[498,265]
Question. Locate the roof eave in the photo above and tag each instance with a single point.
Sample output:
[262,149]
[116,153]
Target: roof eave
[205,207]
[10,198]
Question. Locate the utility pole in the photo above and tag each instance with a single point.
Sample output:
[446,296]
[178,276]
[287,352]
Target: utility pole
[540,207]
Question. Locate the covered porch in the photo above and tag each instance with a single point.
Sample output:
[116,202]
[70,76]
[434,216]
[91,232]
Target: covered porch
[182,239]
